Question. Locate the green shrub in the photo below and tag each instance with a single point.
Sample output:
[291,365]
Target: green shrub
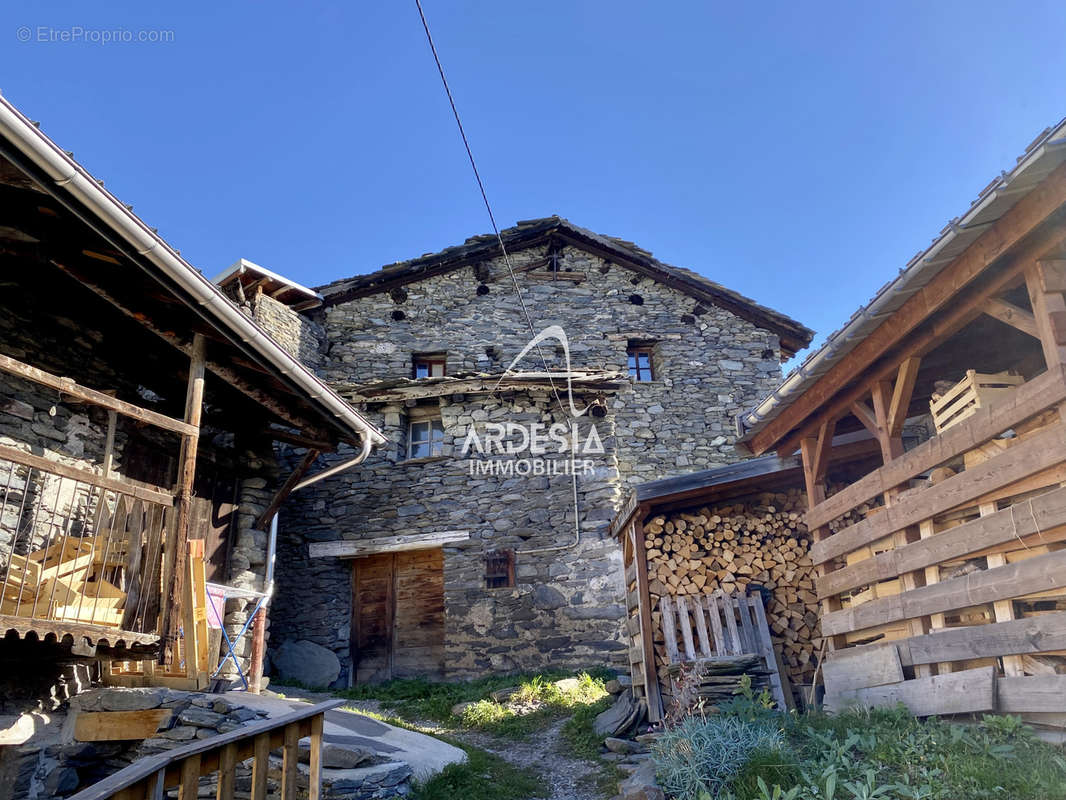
[700,756]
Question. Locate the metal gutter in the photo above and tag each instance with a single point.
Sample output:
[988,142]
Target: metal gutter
[916,274]
[74,179]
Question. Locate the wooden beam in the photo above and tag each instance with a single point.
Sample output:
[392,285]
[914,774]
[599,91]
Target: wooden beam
[1043,514]
[1049,312]
[1036,574]
[152,495]
[1053,274]
[1012,315]
[864,414]
[651,675]
[965,692]
[113,726]
[263,522]
[314,440]
[194,399]
[891,446]
[1040,693]
[230,376]
[901,394]
[1008,239]
[1028,400]
[1041,451]
[69,387]
[353,548]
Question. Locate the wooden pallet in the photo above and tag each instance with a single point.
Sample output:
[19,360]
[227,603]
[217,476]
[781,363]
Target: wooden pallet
[737,626]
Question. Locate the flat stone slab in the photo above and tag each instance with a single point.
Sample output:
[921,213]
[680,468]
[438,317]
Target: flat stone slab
[425,755]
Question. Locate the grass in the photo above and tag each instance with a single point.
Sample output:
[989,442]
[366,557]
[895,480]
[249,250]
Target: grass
[888,754]
[537,702]
[483,777]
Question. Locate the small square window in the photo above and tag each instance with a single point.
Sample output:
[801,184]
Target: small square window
[425,438]
[499,569]
[639,359]
[429,365]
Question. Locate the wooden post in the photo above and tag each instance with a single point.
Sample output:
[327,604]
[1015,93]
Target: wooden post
[885,396]
[314,778]
[815,456]
[651,674]
[194,397]
[1045,282]
[255,669]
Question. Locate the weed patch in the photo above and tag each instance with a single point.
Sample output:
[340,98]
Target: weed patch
[483,777]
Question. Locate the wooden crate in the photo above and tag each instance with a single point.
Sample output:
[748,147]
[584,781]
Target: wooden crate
[27,573]
[974,391]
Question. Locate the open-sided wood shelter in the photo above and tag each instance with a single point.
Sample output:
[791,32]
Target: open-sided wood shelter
[947,559]
[137,403]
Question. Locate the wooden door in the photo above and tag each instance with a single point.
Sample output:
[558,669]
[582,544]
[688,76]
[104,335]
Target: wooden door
[398,615]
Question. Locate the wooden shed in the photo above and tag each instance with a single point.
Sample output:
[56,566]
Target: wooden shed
[942,571]
[735,531]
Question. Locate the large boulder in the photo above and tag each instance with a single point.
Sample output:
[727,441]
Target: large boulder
[307,663]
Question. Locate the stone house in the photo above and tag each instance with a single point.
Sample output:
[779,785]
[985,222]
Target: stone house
[476,551]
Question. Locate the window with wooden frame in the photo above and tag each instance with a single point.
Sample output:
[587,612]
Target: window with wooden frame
[499,569]
[429,365]
[639,356]
[425,433]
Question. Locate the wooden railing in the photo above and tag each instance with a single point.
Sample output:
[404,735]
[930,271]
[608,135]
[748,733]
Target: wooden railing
[181,768]
[954,579]
[81,548]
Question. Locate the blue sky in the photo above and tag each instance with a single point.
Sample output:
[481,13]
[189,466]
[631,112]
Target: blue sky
[800,153]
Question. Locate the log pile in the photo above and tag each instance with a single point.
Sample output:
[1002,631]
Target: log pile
[761,541]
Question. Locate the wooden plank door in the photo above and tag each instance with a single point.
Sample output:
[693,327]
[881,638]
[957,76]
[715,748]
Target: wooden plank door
[398,615]
[418,629]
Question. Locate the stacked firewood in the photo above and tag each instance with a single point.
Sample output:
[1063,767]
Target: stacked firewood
[737,547]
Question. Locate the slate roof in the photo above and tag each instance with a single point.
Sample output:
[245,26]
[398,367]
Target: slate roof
[794,335]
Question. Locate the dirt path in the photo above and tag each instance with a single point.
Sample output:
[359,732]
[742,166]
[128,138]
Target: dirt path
[565,778]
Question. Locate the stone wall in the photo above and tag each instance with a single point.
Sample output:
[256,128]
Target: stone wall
[298,335]
[565,609]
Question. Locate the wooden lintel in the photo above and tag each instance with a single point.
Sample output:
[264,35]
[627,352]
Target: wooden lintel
[263,522]
[353,548]
[1008,241]
[68,387]
[1012,315]
[902,393]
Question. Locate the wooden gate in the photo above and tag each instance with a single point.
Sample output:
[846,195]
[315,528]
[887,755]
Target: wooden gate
[398,615]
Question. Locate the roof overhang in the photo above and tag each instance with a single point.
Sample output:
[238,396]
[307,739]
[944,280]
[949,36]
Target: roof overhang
[771,420]
[62,178]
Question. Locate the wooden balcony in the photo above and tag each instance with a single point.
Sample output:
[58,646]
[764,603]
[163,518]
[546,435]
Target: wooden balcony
[81,555]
